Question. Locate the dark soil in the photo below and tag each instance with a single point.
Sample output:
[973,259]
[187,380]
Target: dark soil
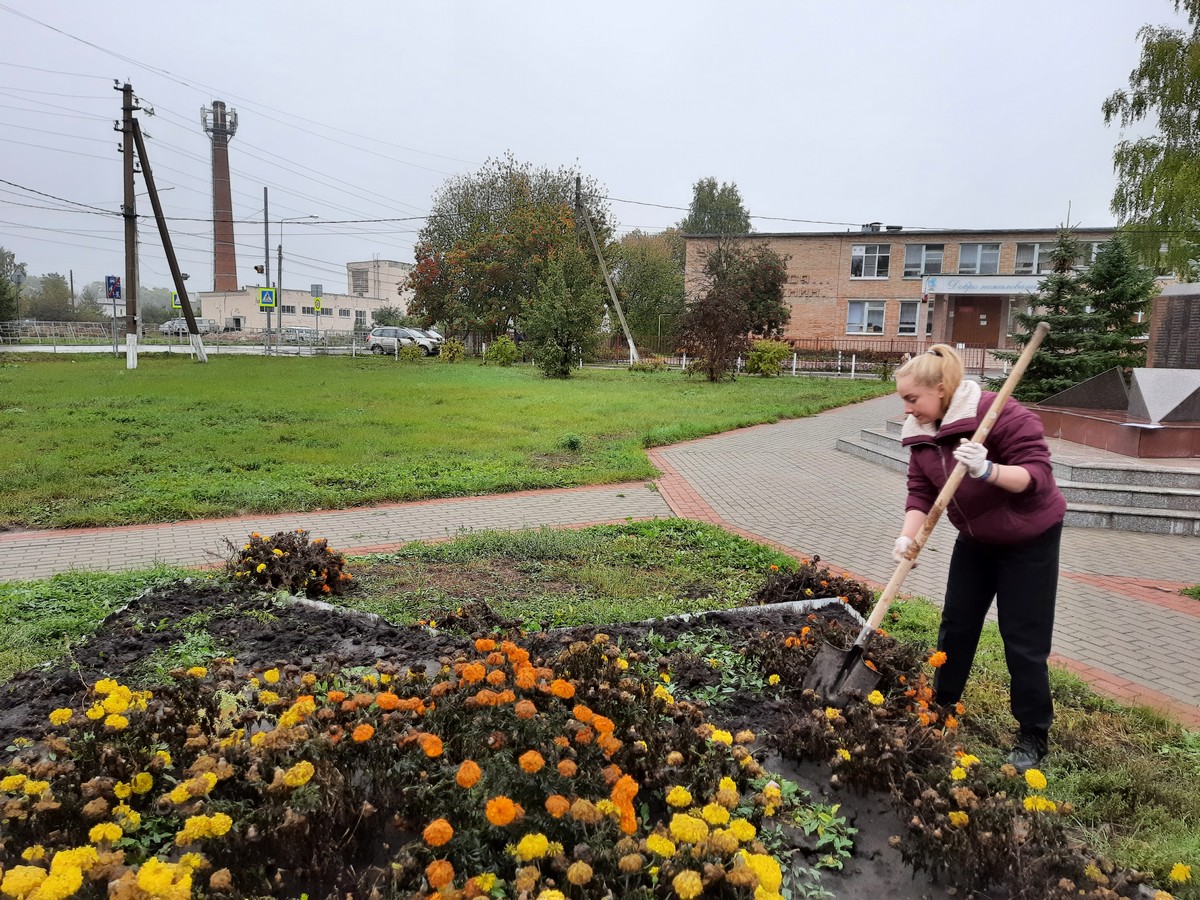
[258,632]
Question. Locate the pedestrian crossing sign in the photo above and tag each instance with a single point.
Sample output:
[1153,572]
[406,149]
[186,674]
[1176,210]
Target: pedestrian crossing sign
[175,304]
[266,298]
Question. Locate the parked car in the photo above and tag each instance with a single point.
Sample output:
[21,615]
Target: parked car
[180,326]
[384,338]
[298,334]
[429,342]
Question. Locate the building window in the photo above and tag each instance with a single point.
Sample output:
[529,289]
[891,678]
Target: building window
[327,311]
[1089,250]
[1033,259]
[929,319]
[307,311]
[864,317]
[923,259]
[978,259]
[287,310]
[870,260]
[910,310]
[360,318]
[358,281]
[343,313]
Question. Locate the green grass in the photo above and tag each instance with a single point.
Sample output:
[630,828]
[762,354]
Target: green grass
[1132,775]
[1193,592]
[89,442]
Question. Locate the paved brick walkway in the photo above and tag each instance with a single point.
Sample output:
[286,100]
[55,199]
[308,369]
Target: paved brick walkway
[1120,623]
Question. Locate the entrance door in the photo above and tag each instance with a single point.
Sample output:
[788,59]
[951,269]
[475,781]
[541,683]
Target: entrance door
[977,320]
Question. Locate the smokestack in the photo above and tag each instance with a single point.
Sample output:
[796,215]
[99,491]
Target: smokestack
[220,127]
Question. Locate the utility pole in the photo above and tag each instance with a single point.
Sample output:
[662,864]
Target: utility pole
[129,211]
[267,267]
[580,212]
[72,272]
[176,275]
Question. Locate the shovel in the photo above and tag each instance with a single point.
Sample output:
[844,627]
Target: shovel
[836,674]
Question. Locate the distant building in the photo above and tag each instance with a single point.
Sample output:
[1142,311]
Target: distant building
[884,286]
[380,279]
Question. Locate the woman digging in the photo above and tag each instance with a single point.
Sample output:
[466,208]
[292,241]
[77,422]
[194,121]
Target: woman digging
[1008,513]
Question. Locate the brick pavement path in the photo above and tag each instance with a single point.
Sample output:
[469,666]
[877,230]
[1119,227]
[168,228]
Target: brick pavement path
[1120,620]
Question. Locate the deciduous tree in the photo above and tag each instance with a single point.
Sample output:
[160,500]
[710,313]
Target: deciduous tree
[649,281]
[8,291]
[715,210]
[562,319]
[51,301]
[1157,196]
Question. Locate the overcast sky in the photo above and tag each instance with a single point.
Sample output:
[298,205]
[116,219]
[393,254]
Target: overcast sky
[926,113]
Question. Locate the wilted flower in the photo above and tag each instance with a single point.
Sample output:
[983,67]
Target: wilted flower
[687,884]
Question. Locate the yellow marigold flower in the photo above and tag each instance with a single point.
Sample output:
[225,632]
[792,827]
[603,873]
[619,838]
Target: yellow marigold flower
[105,831]
[260,568]
[1181,874]
[958,773]
[277,552]
[772,679]
[12,782]
[551,894]
[532,846]
[622,663]
[438,832]
[142,782]
[770,876]
[95,712]
[832,714]
[579,873]
[299,774]
[34,853]
[116,723]
[688,829]
[61,716]
[958,819]
[679,796]
[105,686]
[36,788]
[122,790]
[192,861]
[687,884]
[271,676]
[1035,779]
[660,846]
[721,737]
[967,760]
[21,881]
[485,882]
[1037,803]
[715,814]
[875,698]
[666,678]
[661,693]
[843,753]
[131,819]
[268,698]
[742,830]
[164,757]
[179,794]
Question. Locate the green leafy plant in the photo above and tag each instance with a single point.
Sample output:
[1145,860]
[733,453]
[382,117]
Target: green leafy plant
[572,443]
[410,353]
[288,560]
[502,352]
[766,357]
[452,351]
[648,365]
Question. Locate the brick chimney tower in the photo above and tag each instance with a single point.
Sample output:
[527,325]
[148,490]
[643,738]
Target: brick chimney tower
[220,127]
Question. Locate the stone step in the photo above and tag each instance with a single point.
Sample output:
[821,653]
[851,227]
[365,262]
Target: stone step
[879,438]
[874,453]
[1137,473]
[1127,495]
[1129,518]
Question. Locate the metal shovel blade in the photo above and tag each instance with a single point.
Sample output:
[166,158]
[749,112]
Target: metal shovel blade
[836,674]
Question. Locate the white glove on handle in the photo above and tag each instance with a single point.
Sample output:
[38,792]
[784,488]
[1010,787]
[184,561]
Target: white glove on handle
[902,545]
[974,456]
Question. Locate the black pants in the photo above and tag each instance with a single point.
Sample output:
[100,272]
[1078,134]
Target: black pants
[1024,580]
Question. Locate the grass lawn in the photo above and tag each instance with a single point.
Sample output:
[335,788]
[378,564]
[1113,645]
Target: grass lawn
[1131,776]
[91,443]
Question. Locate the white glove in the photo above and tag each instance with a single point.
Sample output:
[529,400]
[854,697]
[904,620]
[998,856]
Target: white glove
[974,456]
[902,545]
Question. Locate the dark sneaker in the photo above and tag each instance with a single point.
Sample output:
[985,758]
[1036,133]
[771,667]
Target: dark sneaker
[1028,753]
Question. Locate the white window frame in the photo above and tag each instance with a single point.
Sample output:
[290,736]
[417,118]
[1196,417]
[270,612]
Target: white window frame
[870,253]
[924,262]
[976,266]
[1041,259]
[360,318]
[343,313]
[866,309]
[287,310]
[307,311]
[916,318]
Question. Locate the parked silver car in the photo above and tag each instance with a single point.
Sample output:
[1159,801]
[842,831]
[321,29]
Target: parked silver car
[384,338]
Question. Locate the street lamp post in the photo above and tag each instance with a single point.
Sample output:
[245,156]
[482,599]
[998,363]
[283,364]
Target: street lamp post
[279,268]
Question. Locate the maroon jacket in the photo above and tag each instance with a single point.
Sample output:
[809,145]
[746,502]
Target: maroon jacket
[978,510]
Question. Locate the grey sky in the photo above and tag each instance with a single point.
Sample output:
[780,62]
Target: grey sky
[927,113]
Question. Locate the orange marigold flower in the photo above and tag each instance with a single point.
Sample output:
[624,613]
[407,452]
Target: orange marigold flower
[567,768]
[562,741]
[387,700]
[485,645]
[431,744]
[468,773]
[439,873]
[582,714]
[792,641]
[518,656]
[603,724]
[525,709]
[501,811]
[526,678]
[473,673]
[557,805]
[486,697]
[496,677]
[563,689]
[608,744]
[531,761]
[938,659]
[336,696]
[505,697]
[363,732]
[584,736]
[496,659]
[438,832]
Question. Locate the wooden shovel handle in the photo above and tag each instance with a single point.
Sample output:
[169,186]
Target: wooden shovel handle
[947,492]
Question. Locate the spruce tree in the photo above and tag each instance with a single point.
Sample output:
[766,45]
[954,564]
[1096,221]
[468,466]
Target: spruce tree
[1121,289]
[1065,357]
